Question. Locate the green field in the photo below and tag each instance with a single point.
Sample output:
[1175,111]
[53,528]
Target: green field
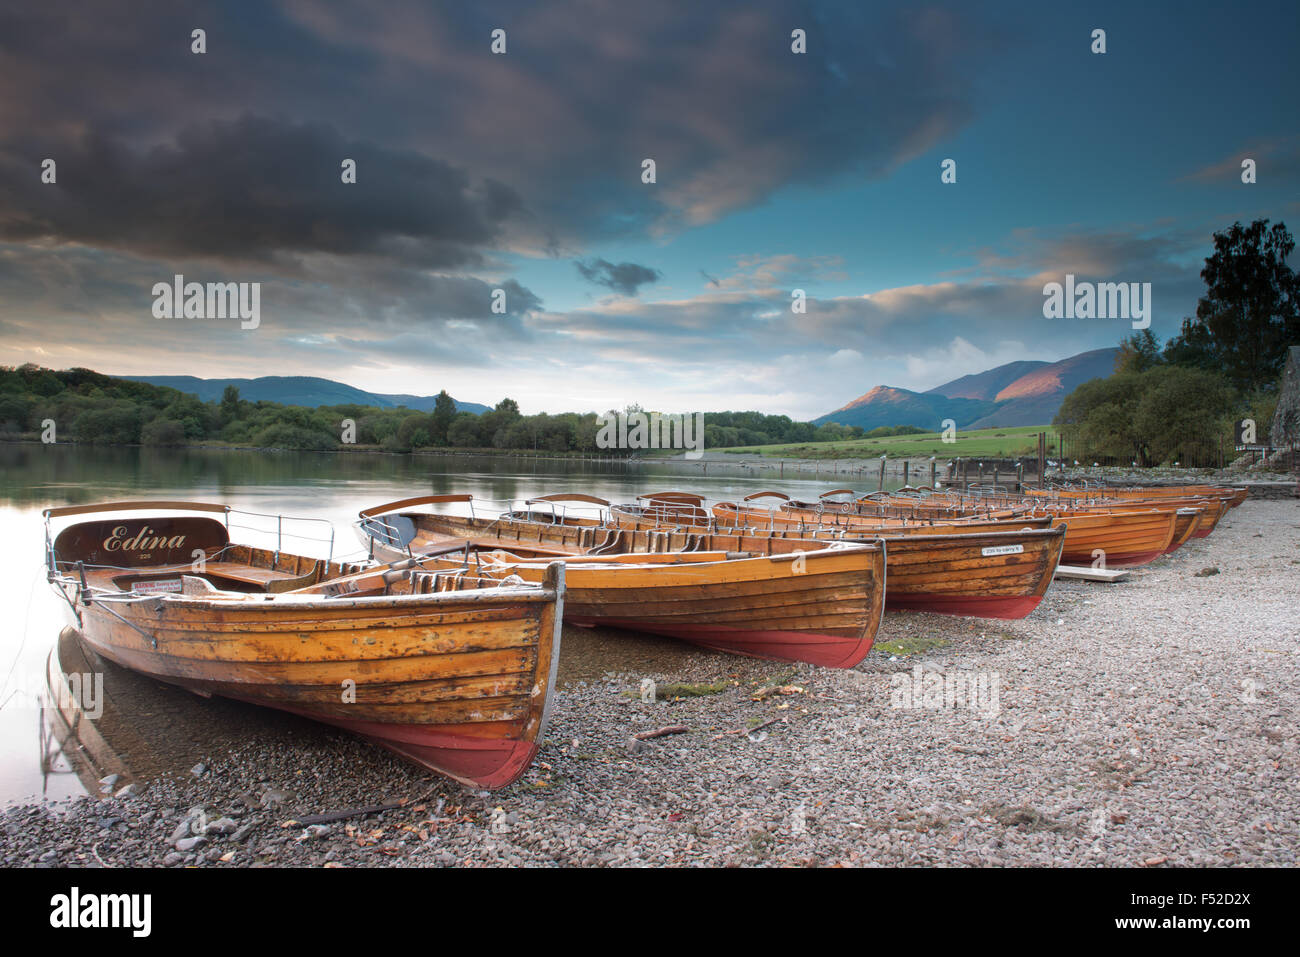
[1005,443]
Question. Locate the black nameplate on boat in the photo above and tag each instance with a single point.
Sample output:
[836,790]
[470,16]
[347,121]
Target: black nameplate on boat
[137,542]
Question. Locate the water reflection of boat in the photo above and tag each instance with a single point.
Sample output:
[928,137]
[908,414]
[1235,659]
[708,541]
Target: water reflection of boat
[75,721]
[138,728]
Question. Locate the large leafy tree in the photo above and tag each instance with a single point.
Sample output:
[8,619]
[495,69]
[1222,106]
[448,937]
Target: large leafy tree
[230,403]
[1098,414]
[496,423]
[1250,312]
[444,410]
[1165,414]
[1182,412]
[1138,353]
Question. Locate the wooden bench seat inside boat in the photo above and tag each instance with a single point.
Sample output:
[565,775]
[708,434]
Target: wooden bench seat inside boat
[231,568]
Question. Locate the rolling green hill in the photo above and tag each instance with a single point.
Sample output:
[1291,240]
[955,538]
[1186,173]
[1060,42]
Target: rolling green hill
[309,391]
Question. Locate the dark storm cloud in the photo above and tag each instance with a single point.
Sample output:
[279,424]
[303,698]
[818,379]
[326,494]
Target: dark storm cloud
[328,295]
[382,293]
[336,312]
[251,187]
[711,92]
[587,90]
[626,278]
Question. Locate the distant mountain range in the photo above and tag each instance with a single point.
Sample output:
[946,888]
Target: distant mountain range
[1018,393]
[298,390]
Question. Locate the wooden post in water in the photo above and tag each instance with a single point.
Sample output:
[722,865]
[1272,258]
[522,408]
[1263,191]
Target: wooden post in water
[933,482]
[1042,459]
[906,467]
[882,473]
[1020,475]
[995,473]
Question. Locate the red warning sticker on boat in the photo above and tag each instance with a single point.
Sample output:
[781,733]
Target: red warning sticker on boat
[162,587]
[1002,550]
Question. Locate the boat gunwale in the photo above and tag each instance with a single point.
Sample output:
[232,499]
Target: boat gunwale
[510,594]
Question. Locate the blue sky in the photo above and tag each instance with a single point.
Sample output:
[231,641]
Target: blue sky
[478,172]
[1064,139]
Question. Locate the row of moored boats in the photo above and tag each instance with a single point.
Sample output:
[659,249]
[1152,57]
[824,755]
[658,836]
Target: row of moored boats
[442,642]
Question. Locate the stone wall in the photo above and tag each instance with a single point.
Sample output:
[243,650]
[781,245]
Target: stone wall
[1286,421]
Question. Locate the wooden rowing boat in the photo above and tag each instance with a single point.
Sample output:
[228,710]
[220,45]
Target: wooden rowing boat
[1001,574]
[1129,533]
[1117,538]
[1233,496]
[821,606]
[741,515]
[454,675]
[686,510]
[906,504]
[1214,506]
[989,569]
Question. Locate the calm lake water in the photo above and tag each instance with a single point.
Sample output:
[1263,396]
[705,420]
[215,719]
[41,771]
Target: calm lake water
[150,727]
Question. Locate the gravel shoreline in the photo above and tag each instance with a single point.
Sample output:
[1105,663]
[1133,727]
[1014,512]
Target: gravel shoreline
[1149,722]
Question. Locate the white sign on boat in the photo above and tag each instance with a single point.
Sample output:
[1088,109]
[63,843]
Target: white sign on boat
[1002,550]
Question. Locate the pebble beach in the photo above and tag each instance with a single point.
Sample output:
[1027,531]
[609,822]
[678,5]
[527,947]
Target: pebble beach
[1149,722]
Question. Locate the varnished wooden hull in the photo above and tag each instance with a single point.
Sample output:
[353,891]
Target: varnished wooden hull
[987,569]
[820,606]
[986,575]
[1099,520]
[1234,496]
[936,508]
[1124,538]
[480,761]
[1094,524]
[458,682]
[1212,510]
[1217,501]
[730,515]
[1133,540]
[940,573]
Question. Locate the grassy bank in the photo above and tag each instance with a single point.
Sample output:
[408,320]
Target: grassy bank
[1007,442]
